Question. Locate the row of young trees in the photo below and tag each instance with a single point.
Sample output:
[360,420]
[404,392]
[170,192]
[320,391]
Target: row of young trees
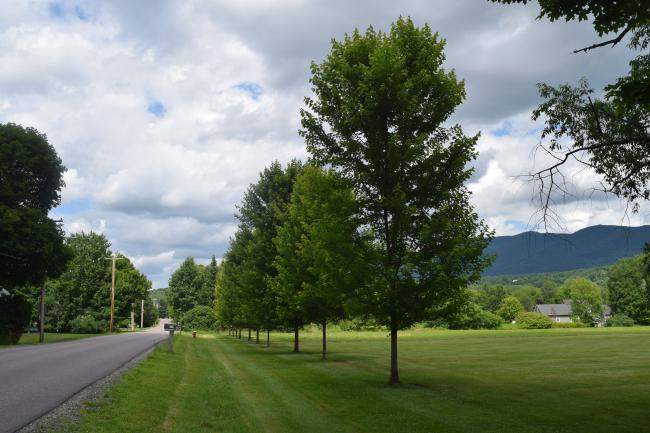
[378,223]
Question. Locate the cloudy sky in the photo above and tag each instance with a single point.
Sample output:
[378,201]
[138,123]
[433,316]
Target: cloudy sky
[164,111]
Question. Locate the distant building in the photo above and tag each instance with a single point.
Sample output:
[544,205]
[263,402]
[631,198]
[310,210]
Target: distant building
[561,313]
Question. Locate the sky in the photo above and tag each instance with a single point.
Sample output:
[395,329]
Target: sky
[165,111]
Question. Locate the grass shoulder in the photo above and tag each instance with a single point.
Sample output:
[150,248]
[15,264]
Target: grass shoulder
[454,381]
[50,337]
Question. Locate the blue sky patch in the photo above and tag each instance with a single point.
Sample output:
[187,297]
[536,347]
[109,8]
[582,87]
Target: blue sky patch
[157,108]
[81,14]
[518,225]
[61,11]
[74,206]
[534,131]
[254,90]
[56,10]
[505,129]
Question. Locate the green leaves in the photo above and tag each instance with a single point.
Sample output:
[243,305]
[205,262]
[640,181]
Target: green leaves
[610,134]
[191,285]
[607,16]
[246,295]
[586,300]
[318,249]
[627,289]
[376,118]
[31,173]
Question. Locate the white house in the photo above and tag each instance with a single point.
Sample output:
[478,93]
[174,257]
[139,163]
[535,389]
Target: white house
[561,313]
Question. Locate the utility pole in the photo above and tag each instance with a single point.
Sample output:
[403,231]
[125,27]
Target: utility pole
[41,327]
[114,258]
[142,314]
[41,310]
[110,326]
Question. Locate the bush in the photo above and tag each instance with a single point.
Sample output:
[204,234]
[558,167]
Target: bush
[359,324]
[15,312]
[123,324]
[530,320]
[510,308]
[87,324]
[569,325]
[620,320]
[474,317]
[201,317]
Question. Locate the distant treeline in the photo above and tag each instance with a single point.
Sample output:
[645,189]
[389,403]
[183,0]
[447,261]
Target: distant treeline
[597,274]
[624,286]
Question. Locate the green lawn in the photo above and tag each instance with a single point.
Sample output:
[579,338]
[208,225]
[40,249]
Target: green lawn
[557,380]
[50,337]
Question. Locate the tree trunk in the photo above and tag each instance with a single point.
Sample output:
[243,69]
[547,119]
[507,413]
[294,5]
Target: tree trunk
[268,338]
[257,335]
[296,345]
[394,374]
[239,333]
[249,334]
[324,339]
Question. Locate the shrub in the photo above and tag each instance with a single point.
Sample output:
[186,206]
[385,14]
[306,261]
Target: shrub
[200,317]
[474,317]
[569,325]
[15,311]
[530,320]
[510,308]
[87,324]
[359,324]
[620,320]
[123,324]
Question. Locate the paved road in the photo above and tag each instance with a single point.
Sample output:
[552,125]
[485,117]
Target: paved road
[36,379]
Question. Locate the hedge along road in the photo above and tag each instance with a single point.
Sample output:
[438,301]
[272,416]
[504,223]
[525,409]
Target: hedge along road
[36,379]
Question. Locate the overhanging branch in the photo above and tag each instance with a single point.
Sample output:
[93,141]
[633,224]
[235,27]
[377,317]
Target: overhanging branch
[611,42]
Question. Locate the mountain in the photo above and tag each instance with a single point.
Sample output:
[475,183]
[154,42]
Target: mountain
[533,252]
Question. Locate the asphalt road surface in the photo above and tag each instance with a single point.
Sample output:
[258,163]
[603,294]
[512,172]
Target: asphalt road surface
[36,379]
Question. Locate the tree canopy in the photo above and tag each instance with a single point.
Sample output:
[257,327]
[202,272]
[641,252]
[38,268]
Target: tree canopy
[191,285]
[31,243]
[320,250]
[586,300]
[628,291]
[83,290]
[380,102]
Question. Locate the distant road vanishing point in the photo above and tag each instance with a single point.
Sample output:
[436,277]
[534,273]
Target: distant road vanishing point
[36,379]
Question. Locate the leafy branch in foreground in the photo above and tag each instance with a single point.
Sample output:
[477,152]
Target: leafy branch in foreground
[609,134]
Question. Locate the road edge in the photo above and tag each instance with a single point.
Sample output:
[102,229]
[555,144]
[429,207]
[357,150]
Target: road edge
[70,411]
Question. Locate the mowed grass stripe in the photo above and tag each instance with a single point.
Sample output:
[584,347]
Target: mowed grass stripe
[555,380]
[278,403]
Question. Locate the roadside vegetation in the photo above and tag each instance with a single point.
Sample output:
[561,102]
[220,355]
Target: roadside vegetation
[50,337]
[560,380]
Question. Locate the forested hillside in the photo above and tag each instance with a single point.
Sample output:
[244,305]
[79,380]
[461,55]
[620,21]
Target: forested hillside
[532,252]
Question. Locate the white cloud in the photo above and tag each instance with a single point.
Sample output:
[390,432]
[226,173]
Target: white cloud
[164,112]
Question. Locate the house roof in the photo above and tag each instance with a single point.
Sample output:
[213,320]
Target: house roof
[563,309]
[554,309]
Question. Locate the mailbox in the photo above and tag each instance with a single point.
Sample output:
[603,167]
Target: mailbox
[170,327]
